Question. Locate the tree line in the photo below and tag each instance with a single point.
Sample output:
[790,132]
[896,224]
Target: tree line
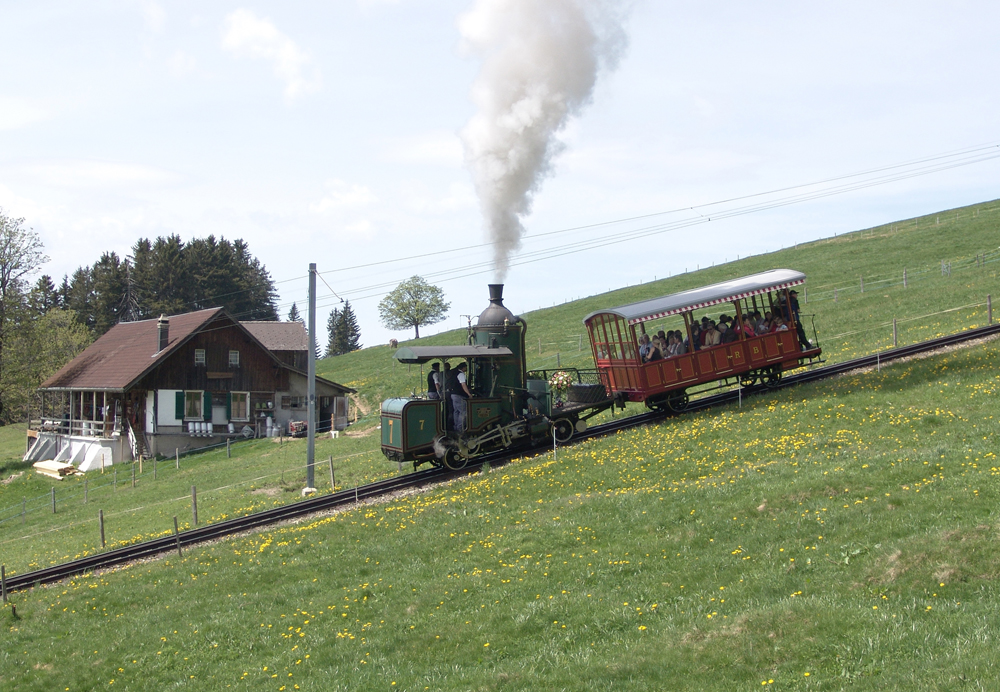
[163,276]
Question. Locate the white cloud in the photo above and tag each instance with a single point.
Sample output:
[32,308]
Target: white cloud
[429,149]
[180,64]
[17,112]
[340,195]
[247,34]
[459,197]
[96,174]
[154,15]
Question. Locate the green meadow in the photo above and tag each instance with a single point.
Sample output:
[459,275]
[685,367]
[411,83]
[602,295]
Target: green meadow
[833,536]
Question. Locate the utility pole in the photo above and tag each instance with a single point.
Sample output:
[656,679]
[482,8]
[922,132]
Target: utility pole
[311,427]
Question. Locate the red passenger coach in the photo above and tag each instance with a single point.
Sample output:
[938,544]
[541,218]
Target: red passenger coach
[617,336]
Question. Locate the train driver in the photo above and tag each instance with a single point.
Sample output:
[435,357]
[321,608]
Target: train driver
[434,382]
[460,396]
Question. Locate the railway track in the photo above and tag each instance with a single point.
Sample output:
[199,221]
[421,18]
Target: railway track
[343,498]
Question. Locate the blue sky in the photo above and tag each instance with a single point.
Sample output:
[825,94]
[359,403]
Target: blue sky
[327,132]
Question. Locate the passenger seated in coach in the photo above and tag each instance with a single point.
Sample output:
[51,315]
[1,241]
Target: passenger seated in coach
[712,335]
[643,347]
[681,345]
[748,330]
[728,333]
[695,343]
[779,325]
[706,327]
[654,352]
[766,325]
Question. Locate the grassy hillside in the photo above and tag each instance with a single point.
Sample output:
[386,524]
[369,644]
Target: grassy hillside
[605,563]
[837,536]
[855,323]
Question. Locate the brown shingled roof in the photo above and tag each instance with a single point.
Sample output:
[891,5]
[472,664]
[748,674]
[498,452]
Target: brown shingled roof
[126,352]
[280,336]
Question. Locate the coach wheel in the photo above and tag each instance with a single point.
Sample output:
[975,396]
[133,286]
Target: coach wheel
[563,430]
[678,401]
[749,379]
[773,378]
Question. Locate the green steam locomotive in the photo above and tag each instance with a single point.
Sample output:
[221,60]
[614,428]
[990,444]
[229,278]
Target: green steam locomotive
[508,406]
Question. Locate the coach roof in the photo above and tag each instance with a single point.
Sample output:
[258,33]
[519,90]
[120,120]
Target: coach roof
[705,296]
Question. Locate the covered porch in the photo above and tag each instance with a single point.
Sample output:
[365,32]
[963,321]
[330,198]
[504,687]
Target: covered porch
[89,428]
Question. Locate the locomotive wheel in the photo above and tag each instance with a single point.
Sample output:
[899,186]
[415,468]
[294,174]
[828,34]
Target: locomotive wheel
[748,379]
[563,430]
[773,378]
[453,459]
[677,401]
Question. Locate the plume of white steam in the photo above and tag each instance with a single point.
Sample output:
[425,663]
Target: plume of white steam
[541,59]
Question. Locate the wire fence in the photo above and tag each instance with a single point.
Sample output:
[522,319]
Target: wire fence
[51,501]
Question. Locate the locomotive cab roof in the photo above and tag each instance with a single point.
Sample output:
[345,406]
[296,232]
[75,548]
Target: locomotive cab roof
[421,354]
[705,296]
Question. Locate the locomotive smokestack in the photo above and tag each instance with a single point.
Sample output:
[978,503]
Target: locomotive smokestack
[495,313]
[496,294]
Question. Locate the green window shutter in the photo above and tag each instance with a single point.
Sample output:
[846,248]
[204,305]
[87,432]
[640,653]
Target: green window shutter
[179,405]
[229,405]
[206,409]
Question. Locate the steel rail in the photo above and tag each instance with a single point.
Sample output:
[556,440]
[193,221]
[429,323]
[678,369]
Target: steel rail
[342,498]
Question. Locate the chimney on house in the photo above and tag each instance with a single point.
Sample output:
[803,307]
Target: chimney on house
[162,332]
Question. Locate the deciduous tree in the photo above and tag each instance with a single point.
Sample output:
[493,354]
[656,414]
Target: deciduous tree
[21,254]
[411,304]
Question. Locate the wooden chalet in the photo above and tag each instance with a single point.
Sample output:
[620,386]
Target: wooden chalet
[179,383]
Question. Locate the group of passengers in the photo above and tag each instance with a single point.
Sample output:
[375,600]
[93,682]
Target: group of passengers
[453,383]
[708,333]
[661,345]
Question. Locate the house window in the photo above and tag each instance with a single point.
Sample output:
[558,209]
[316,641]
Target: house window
[193,402]
[234,359]
[199,356]
[240,406]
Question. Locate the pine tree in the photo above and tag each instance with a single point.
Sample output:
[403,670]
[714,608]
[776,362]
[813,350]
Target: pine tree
[332,331]
[348,331]
[293,314]
[43,297]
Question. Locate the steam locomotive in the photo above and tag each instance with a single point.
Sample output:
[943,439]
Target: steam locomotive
[508,407]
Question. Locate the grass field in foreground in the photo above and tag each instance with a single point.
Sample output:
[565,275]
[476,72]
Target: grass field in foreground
[835,536]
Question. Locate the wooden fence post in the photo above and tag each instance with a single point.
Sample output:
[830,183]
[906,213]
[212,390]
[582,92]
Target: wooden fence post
[904,277]
[133,474]
[194,504]
[100,519]
[894,334]
[53,500]
[177,458]
[989,309]
[333,480]
[3,581]
[177,538]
